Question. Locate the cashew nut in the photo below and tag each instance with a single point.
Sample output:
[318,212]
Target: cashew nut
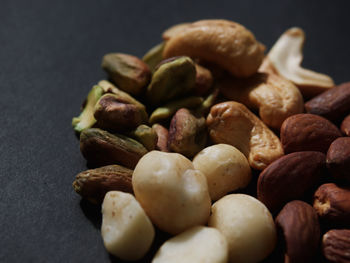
[276,97]
[232,123]
[285,58]
[225,43]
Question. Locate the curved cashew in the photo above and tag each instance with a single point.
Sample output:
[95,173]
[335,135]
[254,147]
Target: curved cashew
[274,96]
[285,59]
[225,43]
[232,123]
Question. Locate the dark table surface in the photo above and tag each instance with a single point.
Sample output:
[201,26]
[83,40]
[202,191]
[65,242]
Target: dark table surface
[50,54]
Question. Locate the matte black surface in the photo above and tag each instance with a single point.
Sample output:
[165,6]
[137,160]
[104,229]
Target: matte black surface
[50,53]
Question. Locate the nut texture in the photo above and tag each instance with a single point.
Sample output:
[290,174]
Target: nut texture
[197,244]
[126,230]
[225,43]
[307,132]
[247,225]
[204,80]
[338,159]
[93,184]
[336,245]
[163,134]
[174,195]
[345,126]
[299,226]
[187,133]
[128,72]
[225,167]
[275,97]
[332,203]
[289,178]
[103,148]
[333,104]
[146,135]
[232,123]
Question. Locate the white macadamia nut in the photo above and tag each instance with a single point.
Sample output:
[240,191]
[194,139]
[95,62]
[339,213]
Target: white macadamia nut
[126,230]
[198,244]
[226,169]
[173,194]
[247,225]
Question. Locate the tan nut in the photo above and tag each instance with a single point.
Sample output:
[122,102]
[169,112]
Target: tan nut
[232,123]
[285,58]
[275,97]
[225,43]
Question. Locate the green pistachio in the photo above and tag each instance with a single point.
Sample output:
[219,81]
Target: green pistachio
[154,56]
[145,135]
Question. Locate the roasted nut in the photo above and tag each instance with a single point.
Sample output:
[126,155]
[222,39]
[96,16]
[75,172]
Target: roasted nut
[204,80]
[171,31]
[171,79]
[345,126]
[307,132]
[275,97]
[232,123]
[162,134]
[289,178]
[247,225]
[86,118]
[332,204]
[126,230]
[285,59]
[299,227]
[338,159]
[197,244]
[103,148]
[154,56]
[93,184]
[174,195]
[165,112]
[187,133]
[130,73]
[115,114]
[334,104]
[336,245]
[225,43]
[204,108]
[146,135]
[225,167]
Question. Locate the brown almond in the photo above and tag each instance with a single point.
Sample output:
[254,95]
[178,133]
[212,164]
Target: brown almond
[338,159]
[289,178]
[345,126]
[336,245]
[332,104]
[298,225]
[307,132]
[332,203]
[93,184]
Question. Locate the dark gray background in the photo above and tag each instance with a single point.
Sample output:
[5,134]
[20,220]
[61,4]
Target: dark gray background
[50,53]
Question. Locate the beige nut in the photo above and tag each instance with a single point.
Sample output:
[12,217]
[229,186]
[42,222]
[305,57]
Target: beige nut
[225,167]
[197,244]
[232,123]
[247,225]
[174,195]
[275,97]
[285,59]
[225,43]
[126,230]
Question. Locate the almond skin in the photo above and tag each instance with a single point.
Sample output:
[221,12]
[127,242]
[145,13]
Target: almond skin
[336,245]
[299,226]
[345,126]
[307,132]
[338,159]
[289,178]
[332,204]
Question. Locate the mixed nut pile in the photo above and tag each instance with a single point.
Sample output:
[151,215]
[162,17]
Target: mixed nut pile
[178,137]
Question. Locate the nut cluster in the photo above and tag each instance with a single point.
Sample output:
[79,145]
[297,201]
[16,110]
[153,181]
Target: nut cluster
[209,140]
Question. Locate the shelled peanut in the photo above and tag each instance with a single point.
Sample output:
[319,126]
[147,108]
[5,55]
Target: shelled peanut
[178,130]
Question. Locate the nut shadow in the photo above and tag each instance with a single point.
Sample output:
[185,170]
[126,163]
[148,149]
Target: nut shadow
[92,212]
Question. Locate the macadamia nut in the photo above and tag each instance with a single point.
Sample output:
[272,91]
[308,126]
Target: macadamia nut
[226,169]
[126,230]
[197,244]
[247,225]
[173,194]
